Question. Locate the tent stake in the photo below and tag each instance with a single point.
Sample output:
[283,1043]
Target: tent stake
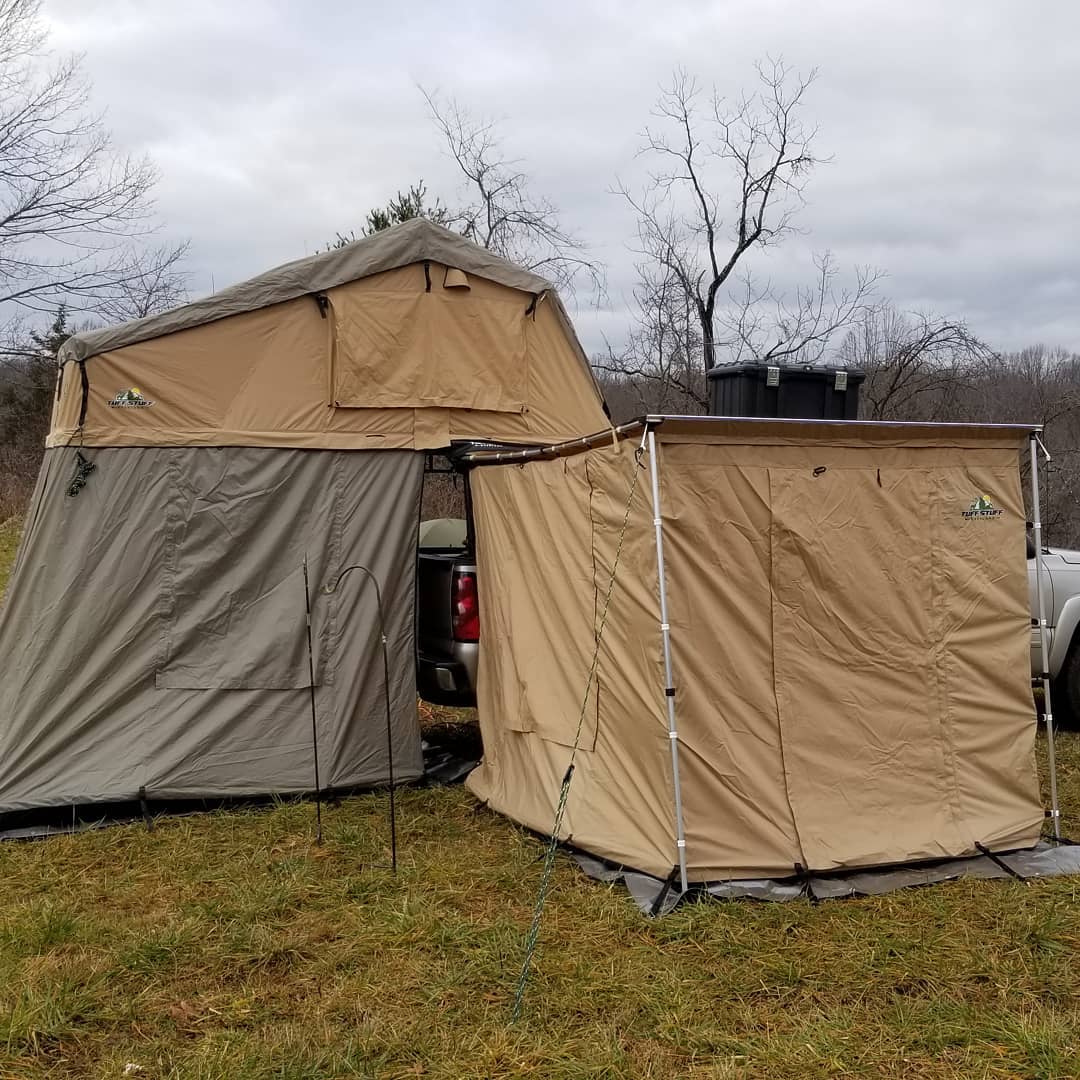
[144,807]
[1048,709]
[386,697]
[661,896]
[314,721]
[669,683]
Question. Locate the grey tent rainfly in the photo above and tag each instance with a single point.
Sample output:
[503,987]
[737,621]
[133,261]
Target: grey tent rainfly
[152,641]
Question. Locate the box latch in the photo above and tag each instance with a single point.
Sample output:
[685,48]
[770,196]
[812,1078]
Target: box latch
[841,381]
[772,376]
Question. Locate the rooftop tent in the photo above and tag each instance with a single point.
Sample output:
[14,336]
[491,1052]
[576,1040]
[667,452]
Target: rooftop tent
[848,623]
[410,338]
[153,637]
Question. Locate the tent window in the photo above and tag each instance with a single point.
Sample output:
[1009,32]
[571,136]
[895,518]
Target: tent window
[234,584]
[448,348]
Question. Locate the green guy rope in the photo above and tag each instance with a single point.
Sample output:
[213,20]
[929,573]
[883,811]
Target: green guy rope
[553,843]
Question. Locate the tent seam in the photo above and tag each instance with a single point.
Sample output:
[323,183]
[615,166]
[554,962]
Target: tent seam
[941,660]
[775,681]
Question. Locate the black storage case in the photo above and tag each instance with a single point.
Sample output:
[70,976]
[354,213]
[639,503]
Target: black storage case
[797,391]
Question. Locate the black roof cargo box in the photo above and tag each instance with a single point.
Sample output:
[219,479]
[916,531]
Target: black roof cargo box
[795,391]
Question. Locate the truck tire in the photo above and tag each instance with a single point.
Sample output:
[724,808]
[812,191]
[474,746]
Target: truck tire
[1065,691]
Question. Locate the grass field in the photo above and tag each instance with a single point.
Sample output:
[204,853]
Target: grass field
[9,541]
[229,946]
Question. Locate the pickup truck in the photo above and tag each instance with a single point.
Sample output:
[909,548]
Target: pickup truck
[1061,597]
[448,614]
[448,620]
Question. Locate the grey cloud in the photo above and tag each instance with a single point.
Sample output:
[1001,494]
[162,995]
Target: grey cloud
[951,128]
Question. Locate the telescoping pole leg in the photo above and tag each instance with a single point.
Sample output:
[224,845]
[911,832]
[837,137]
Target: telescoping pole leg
[1048,711]
[669,682]
[314,718]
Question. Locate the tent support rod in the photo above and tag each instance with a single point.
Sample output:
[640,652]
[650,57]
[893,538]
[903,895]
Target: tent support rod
[1048,710]
[314,718]
[669,683]
[328,589]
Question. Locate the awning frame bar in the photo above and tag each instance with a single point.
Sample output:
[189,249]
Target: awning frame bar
[506,455]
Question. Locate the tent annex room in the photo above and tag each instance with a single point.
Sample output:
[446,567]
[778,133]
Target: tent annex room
[840,610]
[153,640]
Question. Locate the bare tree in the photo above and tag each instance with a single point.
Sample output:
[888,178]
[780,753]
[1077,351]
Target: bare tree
[1039,384]
[70,207]
[27,382]
[918,366]
[658,367]
[731,180]
[500,211]
[74,219]
[762,326]
[154,281]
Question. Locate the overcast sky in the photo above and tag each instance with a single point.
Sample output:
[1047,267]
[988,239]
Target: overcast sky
[953,128]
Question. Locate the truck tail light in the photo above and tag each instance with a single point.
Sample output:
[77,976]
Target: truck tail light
[466,610]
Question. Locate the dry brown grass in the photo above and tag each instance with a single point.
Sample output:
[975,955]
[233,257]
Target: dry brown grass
[228,945]
[10,531]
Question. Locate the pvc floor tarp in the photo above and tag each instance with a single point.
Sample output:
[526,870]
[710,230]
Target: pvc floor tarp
[656,897]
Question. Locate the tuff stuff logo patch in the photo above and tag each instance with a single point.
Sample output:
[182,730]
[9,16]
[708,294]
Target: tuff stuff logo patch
[982,508]
[130,399]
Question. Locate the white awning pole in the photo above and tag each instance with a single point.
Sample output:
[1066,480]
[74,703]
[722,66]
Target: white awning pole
[1048,712]
[669,683]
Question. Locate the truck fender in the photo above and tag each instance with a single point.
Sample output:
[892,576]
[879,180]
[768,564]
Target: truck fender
[1064,631]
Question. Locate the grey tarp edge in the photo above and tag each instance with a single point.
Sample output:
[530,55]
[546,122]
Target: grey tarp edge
[1044,860]
[410,242]
[443,767]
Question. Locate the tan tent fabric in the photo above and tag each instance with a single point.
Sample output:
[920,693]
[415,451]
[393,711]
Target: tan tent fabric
[719,576]
[374,346]
[154,633]
[399,346]
[546,537]
[801,436]
[410,242]
[849,649]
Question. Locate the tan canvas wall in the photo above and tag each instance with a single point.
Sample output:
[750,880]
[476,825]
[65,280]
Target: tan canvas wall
[850,651]
[719,569]
[401,346]
[985,654]
[387,365]
[546,537]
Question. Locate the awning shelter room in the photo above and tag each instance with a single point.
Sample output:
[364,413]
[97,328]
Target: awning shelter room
[153,641]
[846,642]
